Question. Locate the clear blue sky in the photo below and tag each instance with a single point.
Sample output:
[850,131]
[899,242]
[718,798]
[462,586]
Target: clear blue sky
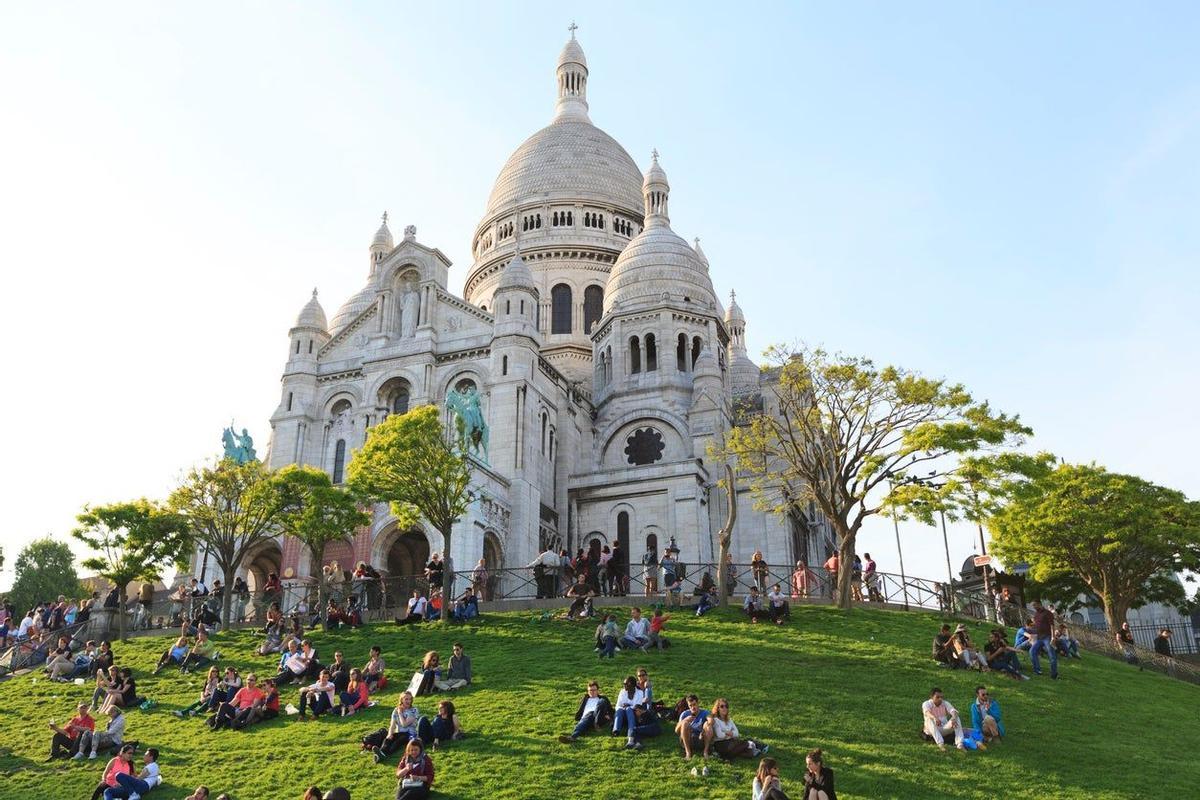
[1007,195]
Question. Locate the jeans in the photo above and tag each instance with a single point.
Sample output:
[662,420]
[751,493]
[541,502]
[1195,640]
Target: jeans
[319,702]
[625,720]
[126,785]
[1007,662]
[704,605]
[634,644]
[585,724]
[1067,646]
[608,647]
[1044,643]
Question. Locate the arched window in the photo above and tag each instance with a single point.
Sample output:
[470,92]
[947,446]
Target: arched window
[623,531]
[545,425]
[399,402]
[652,543]
[681,363]
[593,307]
[508,306]
[552,444]
[339,461]
[560,309]
[635,356]
[651,353]
[608,364]
[695,351]
[504,365]
[297,346]
[310,346]
[289,408]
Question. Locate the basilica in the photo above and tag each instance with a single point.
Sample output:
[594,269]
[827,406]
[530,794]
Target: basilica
[588,360]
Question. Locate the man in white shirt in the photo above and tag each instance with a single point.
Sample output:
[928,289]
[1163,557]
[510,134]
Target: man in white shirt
[637,631]
[777,604]
[416,609]
[753,605]
[941,718]
[545,572]
[318,696]
[26,625]
[594,711]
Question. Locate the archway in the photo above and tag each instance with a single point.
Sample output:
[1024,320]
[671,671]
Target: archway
[493,560]
[408,554]
[261,562]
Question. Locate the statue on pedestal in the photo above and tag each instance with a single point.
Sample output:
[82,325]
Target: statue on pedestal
[238,447]
[464,403]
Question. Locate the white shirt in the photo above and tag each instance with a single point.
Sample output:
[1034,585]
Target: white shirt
[548,559]
[416,605]
[776,598]
[592,704]
[723,730]
[26,624]
[638,628]
[625,701]
[940,713]
[150,774]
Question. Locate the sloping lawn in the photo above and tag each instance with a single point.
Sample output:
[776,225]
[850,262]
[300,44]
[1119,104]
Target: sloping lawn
[851,683]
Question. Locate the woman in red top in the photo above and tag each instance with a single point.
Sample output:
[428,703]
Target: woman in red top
[122,762]
[355,696]
[244,700]
[415,772]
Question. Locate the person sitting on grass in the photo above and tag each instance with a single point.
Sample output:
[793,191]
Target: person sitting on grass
[766,784]
[335,616]
[318,696]
[415,611]
[433,608]
[466,606]
[91,743]
[427,674]
[242,701]
[211,682]
[692,727]
[594,713]
[941,718]
[753,605]
[106,679]
[637,631]
[777,605]
[1067,644]
[261,710]
[60,658]
[1002,657]
[459,673]
[201,793]
[444,727]
[130,786]
[606,636]
[985,715]
[354,698]
[373,671]
[708,601]
[297,663]
[1023,638]
[723,735]
[273,642]
[625,719]
[965,652]
[818,778]
[401,727]
[415,772]
[943,649]
[66,740]
[203,652]
[581,596]
[227,687]
[339,671]
[175,654]
[123,694]
[120,764]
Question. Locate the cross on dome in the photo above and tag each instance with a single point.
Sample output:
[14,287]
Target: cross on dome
[654,154]
[572,28]
[385,217]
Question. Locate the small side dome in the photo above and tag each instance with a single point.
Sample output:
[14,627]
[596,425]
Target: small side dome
[516,275]
[383,236]
[352,308]
[312,315]
[734,312]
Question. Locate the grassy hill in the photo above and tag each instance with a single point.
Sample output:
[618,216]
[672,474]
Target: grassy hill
[850,683]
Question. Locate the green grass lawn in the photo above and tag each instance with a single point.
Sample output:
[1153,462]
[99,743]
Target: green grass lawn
[850,683]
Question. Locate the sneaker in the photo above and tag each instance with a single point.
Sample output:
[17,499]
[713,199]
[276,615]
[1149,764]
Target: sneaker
[617,649]
[704,772]
[378,756]
[567,739]
[696,772]
[135,796]
[92,756]
[77,756]
[178,713]
[635,746]
[762,750]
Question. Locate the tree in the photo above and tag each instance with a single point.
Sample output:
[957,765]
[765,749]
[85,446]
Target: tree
[1123,537]
[316,512]
[409,462]
[725,535]
[44,569]
[134,540]
[231,509]
[845,434]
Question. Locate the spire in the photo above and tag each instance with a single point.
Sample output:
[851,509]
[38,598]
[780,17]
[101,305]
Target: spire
[383,236]
[655,190]
[572,73]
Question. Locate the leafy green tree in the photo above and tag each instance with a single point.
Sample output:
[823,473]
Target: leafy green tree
[409,462]
[851,437]
[133,540]
[232,509]
[44,569]
[317,513]
[1120,536]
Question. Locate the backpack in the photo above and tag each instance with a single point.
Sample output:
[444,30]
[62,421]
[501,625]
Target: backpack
[374,739]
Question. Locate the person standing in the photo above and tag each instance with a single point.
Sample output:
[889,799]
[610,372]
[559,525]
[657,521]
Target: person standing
[759,570]
[1162,643]
[545,568]
[1043,625]
[831,572]
[941,718]
[618,570]
[650,572]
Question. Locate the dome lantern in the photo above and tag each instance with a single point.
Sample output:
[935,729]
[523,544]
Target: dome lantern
[572,73]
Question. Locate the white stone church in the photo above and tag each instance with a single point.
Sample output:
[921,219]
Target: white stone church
[588,338]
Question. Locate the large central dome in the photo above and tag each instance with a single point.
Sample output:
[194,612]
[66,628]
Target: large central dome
[568,159]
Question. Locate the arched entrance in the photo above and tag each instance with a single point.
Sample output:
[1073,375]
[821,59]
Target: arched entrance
[260,563]
[408,554]
[493,560]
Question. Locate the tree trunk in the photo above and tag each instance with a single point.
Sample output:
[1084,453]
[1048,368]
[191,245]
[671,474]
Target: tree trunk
[725,535]
[1114,615]
[447,577]
[227,596]
[845,568]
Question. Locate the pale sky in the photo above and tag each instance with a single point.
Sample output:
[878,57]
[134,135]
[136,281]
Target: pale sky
[1005,194]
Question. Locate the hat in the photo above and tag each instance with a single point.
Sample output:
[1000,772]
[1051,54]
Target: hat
[961,628]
